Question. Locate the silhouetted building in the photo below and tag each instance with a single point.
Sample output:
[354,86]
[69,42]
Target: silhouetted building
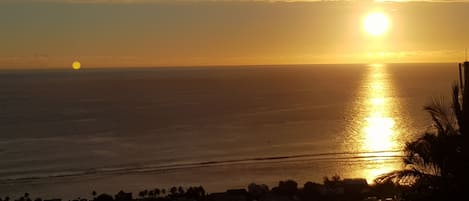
[229,195]
[354,186]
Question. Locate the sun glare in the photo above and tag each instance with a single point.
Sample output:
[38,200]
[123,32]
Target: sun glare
[377,126]
[76,65]
[376,24]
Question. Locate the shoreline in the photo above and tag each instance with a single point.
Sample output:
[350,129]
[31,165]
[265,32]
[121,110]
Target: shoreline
[333,188]
[214,178]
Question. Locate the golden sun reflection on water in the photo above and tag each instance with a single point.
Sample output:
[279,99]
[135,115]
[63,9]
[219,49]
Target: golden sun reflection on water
[377,140]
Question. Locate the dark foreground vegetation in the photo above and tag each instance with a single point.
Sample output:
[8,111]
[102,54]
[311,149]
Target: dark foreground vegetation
[437,163]
[332,189]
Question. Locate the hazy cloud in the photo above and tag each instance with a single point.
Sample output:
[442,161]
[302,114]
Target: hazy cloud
[169,1]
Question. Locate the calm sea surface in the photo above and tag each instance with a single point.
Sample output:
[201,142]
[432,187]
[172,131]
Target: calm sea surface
[64,133]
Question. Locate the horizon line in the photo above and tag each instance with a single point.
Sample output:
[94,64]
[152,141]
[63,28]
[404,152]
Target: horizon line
[212,66]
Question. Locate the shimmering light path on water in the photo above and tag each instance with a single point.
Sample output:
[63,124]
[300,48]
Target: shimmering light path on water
[65,133]
[378,135]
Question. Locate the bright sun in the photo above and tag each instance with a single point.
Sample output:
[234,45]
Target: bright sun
[376,24]
[76,65]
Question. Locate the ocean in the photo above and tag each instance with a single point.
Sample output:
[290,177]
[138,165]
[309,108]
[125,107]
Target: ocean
[65,133]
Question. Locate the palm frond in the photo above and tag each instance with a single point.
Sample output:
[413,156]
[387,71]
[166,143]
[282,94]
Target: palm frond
[405,177]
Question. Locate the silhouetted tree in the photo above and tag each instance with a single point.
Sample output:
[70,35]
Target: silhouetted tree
[434,161]
[332,182]
[94,194]
[123,196]
[257,191]
[143,193]
[151,194]
[157,192]
[201,190]
[195,193]
[181,190]
[311,190]
[288,187]
[173,190]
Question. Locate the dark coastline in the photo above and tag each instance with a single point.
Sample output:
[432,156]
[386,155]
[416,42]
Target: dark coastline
[332,189]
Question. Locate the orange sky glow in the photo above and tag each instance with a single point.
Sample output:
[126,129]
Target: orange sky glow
[142,33]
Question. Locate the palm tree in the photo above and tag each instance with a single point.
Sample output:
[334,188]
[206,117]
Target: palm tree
[436,160]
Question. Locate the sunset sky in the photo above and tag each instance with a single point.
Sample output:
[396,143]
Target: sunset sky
[125,33]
